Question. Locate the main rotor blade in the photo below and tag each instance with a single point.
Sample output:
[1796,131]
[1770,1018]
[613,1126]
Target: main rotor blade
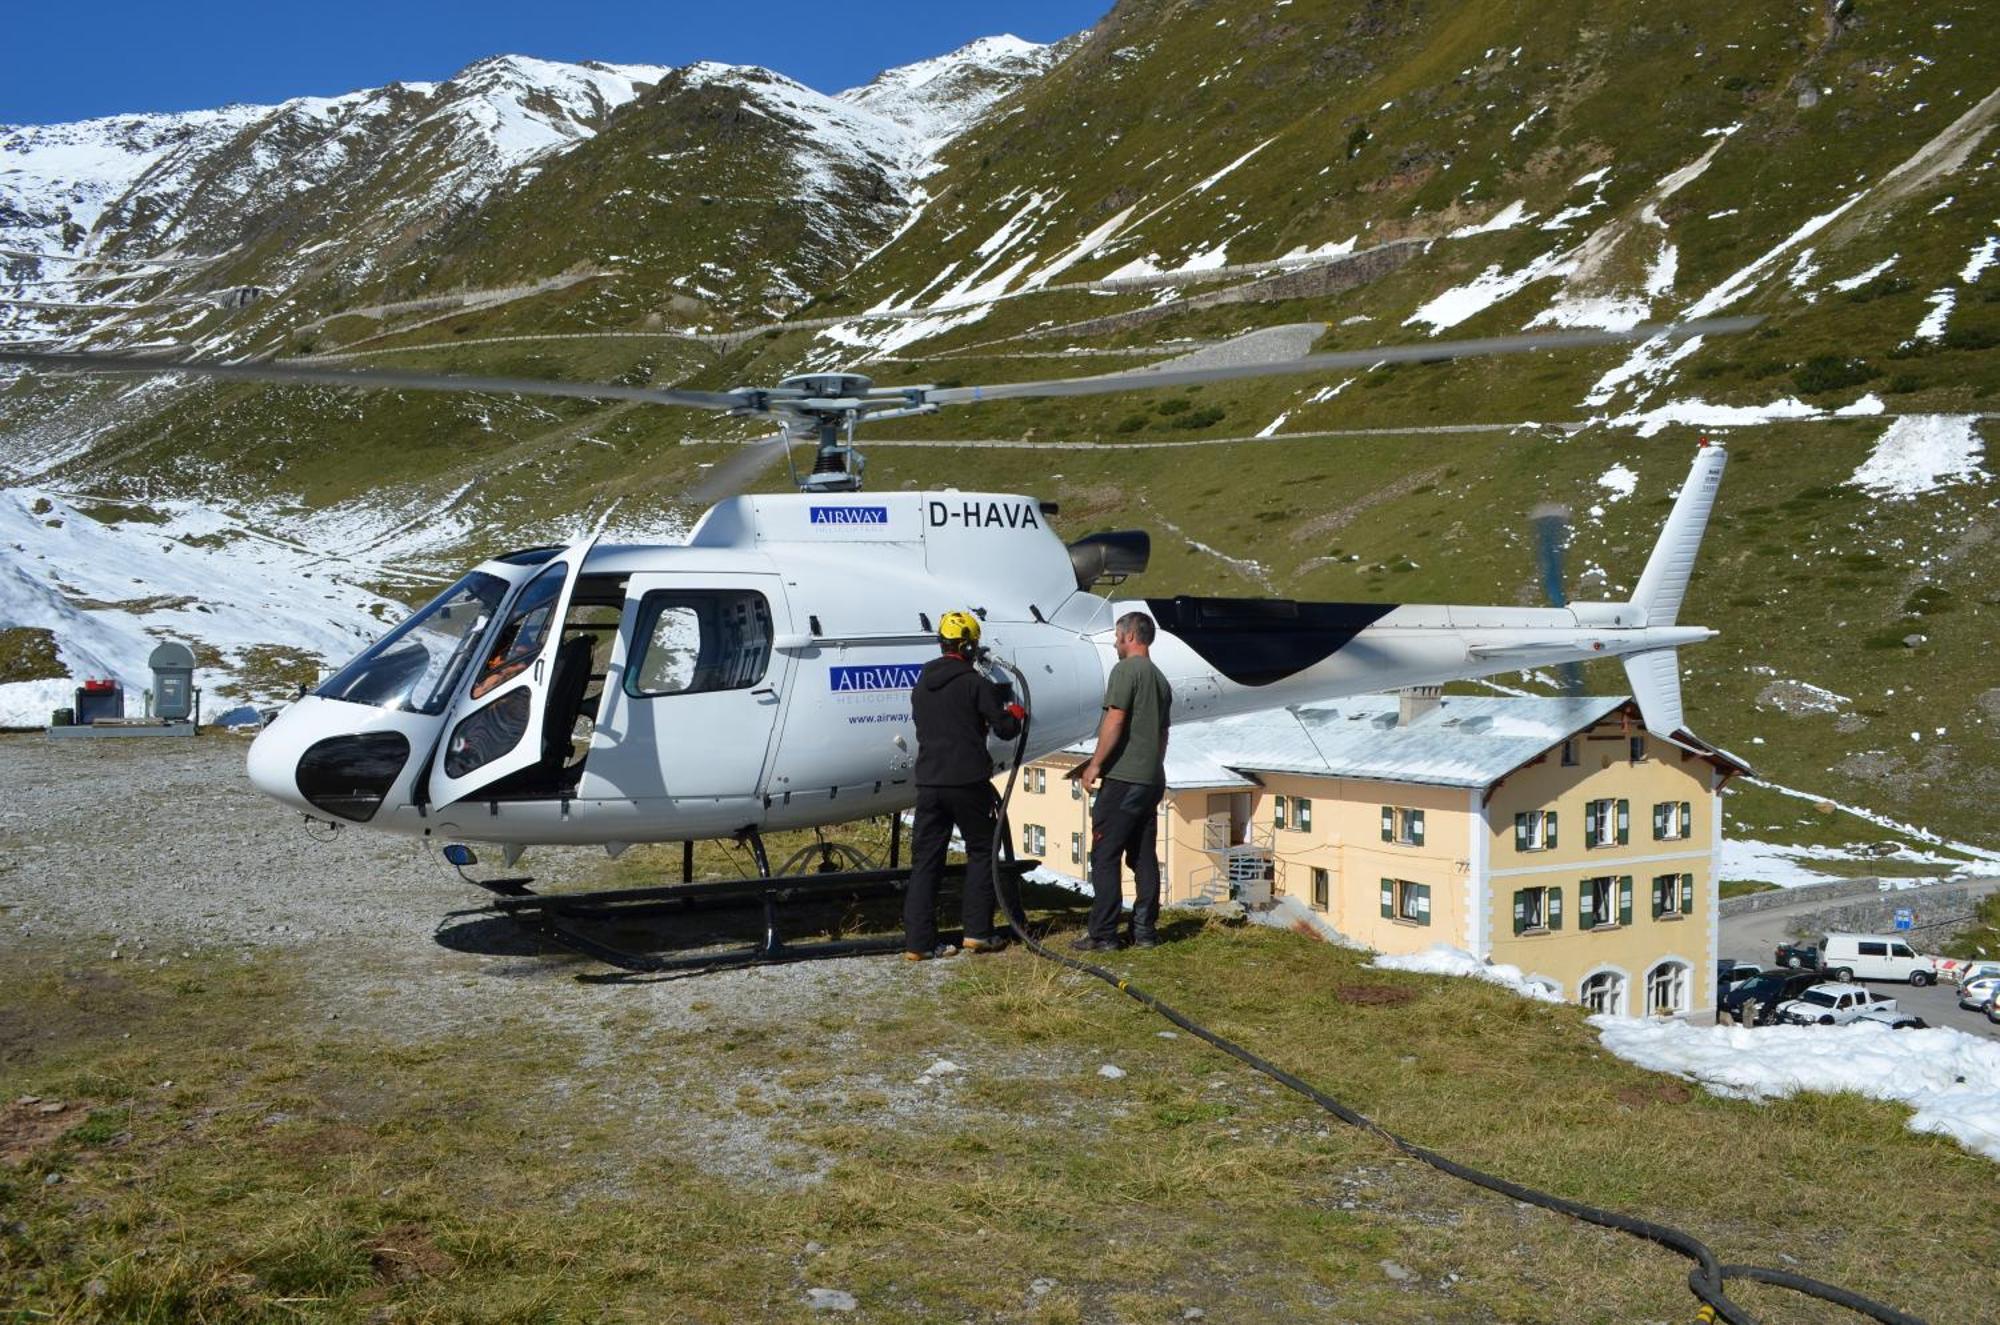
[375,379]
[1424,352]
[738,471]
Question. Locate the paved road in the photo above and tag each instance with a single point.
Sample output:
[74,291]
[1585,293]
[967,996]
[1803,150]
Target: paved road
[1754,938]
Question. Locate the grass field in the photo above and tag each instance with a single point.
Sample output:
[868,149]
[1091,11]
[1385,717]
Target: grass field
[226,1152]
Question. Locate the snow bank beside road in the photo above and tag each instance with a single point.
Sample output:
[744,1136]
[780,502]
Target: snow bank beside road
[1949,1079]
[1443,959]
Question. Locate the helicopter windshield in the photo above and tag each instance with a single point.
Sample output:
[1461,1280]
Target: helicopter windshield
[416,666]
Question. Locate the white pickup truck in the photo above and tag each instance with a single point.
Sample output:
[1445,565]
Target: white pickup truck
[1838,1005]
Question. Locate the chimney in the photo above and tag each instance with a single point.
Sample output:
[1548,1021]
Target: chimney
[1415,701]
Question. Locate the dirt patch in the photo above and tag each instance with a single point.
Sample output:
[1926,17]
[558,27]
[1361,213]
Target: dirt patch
[28,653]
[405,1253]
[31,1125]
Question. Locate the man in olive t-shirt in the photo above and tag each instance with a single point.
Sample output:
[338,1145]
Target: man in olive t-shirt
[1131,758]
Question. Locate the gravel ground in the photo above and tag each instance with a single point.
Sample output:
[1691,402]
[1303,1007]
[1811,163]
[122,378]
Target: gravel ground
[149,849]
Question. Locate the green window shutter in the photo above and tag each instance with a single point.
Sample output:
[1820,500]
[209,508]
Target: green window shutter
[1658,892]
[1624,822]
[1585,906]
[1687,894]
[1303,809]
[1417,831]
[1520,909]
[1278,811]
[1552,907]
[1625,899]
[1520,834]
[1591,819]
[1659,820]
[1388,899]
[1549,830]
[1388,823]
[1687,818]
[1422,902]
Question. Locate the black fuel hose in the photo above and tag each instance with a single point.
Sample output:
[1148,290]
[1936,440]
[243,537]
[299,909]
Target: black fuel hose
[1706,1280]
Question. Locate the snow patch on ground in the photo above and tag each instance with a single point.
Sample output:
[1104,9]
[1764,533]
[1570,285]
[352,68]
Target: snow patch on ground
[1513,214]
[1921,453]
[1932,327]
[1443,959]
[1702,414]
[1950,1080]
[1462,302]
[1982,258]
[1857,281]
[1619,481]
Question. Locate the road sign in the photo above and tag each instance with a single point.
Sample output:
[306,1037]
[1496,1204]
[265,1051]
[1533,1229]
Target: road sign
[1905,917]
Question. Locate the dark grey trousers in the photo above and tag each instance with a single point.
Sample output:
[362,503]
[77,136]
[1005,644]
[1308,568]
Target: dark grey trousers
[1124,830]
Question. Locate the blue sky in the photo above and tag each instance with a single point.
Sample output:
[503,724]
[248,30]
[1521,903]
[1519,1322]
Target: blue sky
[59,62]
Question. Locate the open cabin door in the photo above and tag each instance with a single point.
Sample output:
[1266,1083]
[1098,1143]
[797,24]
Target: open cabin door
[496,727]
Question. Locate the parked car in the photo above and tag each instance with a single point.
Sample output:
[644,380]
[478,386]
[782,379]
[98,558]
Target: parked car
[1961,971]
[1975,995]
[1897,1020]
[1729,971]
[1833,1004]
[1993,1009]
[1754,1002]
[1798,956]
[1875,957]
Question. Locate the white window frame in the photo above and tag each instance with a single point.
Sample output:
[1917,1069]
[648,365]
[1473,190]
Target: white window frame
[1678,902]
[1034,840]
[1592,917]
[1537,834]
[1038,780]
[1076,848]
[1674,975]
[1537,921]
[1407,898]
[1615,986]
[1404,819]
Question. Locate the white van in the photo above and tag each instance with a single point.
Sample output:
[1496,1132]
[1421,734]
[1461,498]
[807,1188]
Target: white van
[1874,957]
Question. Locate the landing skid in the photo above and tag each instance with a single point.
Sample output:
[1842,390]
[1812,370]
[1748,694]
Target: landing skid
[555,916]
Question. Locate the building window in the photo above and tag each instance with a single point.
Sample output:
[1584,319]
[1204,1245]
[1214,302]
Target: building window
[1322,888]
[1034,839]
[1535,830]
[1405,827]
[1076,789]
[1604,993]
[1038,780]
[1673,895]
[1406,901]
[1604,901]
[1302,814]
[1607,823]
[1667,989]
[1673,821]
[1638,749]
[1569,753]
[1537,910]
[1278,811]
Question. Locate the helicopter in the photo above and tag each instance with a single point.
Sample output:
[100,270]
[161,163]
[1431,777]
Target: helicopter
[757,677]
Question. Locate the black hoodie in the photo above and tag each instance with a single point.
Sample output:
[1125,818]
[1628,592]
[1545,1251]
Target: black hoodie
[955,707]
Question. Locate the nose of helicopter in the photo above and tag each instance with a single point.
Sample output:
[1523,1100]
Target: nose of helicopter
[273,764]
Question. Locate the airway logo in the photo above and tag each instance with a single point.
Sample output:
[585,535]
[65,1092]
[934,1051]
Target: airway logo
[850,515]
[888,676]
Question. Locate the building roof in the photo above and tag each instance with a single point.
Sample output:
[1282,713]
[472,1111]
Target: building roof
[1465,741]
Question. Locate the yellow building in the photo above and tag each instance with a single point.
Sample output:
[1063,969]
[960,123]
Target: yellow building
[1557,835]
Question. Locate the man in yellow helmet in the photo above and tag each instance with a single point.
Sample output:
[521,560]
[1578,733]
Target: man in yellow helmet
[955,707]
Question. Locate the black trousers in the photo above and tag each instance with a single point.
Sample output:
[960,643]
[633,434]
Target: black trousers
[940,809]
[1124,829]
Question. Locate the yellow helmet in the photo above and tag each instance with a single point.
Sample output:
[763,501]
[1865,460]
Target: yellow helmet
[958,629]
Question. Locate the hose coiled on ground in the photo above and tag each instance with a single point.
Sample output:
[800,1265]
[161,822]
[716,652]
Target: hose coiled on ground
[1706,1280]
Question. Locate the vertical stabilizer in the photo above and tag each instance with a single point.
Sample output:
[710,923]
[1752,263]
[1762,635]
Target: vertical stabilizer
[1655,678]
[1665,580]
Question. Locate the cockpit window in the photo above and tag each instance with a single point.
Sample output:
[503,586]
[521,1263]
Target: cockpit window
[416,666]
[687,641]
[520,641]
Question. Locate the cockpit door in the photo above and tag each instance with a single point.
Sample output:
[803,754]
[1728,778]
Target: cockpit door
[496,726]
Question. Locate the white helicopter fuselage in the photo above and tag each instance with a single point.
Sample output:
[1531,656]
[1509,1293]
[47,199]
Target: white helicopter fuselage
[759,677]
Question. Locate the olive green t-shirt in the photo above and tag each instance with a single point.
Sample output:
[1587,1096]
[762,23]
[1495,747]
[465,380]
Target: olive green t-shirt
[1141,690]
